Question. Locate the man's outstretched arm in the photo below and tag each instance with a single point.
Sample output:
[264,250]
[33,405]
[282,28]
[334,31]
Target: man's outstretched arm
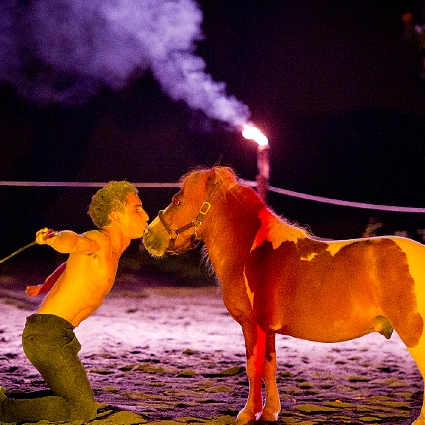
[67,242]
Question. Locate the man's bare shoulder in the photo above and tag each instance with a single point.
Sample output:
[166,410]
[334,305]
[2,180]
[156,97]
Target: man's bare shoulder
[94,234]
[91,242]
[97,236]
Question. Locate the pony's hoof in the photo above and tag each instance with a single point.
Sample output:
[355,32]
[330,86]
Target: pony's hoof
[269,415]
[245,417]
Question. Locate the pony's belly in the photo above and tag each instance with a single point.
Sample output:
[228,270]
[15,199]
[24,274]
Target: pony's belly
[324,330]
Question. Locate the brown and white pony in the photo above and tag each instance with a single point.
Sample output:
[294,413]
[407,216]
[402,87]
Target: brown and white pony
[276,278]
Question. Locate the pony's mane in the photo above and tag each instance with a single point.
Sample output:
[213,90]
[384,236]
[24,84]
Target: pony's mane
[249,196]
[224,173]
[230,185]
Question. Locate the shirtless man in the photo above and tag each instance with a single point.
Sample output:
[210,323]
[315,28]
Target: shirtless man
[48,339]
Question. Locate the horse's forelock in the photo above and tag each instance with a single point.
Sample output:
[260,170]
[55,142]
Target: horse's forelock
[224,175]
[193,181]
[185,177]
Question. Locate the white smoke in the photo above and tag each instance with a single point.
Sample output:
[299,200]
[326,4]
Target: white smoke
[64,50]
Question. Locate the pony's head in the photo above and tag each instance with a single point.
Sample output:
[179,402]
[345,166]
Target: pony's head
[179,227]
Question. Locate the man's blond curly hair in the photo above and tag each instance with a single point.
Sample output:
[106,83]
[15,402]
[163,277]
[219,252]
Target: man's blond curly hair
[112,197]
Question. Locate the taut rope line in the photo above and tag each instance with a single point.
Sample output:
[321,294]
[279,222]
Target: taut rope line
[247,182]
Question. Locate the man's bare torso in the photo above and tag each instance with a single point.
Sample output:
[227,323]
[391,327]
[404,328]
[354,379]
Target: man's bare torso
[88,277]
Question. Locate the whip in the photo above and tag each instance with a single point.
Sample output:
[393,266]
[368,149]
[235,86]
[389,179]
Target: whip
[49,235]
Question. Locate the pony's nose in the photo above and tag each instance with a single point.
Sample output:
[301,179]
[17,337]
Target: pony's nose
[153,244]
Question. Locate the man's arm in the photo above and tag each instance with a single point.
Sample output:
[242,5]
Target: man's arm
[68,242]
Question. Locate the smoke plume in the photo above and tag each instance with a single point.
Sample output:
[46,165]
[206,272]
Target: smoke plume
[65,50]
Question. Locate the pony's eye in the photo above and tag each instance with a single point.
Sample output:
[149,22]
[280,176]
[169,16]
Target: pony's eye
[176,202]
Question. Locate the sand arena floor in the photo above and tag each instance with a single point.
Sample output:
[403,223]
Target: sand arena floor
[174,355]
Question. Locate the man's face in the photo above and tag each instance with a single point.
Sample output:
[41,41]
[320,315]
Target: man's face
[134,220]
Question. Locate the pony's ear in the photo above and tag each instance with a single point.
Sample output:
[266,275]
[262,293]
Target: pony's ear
[211,178]
[219,174]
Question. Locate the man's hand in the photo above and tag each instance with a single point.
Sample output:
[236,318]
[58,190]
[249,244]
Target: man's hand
[43,235]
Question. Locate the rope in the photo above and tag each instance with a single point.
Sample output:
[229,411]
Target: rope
[246,182]
[338,201]
[18,251]
[81,184]
[347,203]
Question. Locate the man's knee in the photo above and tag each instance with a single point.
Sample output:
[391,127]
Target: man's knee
[84,411]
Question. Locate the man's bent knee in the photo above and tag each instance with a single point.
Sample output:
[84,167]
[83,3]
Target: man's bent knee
[84,411]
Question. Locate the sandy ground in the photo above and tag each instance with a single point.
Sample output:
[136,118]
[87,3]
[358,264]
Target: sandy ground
[174,355]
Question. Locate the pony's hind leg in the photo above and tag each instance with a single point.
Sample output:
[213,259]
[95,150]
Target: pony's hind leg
[272,407]
[418,354]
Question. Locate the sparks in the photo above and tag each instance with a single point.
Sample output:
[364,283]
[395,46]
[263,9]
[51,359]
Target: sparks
[253,133]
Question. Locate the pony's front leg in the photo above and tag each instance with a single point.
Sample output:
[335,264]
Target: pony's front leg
[255,344]
[272,407]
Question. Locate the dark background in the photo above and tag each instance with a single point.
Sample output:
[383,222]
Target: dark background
[336,87]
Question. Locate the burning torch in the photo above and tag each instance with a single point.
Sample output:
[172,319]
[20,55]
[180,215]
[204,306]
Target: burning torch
[251,132]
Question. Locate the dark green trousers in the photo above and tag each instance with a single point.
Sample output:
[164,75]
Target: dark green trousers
[51,346]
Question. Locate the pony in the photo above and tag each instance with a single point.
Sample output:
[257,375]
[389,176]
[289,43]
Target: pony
[276,278]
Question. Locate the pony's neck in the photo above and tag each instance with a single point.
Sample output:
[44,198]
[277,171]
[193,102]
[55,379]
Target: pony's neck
[233,228]
[241,223]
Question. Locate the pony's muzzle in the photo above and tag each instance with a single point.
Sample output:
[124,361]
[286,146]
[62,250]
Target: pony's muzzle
[154,241]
